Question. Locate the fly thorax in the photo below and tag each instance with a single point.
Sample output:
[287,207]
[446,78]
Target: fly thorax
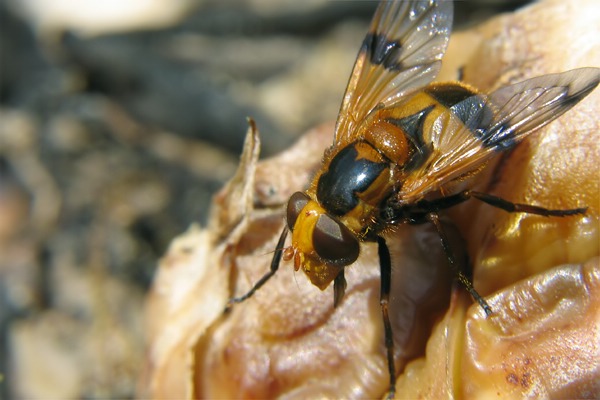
[354,183]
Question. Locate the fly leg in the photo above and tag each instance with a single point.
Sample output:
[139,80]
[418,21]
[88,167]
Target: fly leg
[494,201]
[274,267]
[339,288]
[518,207]
[498,202]
[385,264]
[462,278]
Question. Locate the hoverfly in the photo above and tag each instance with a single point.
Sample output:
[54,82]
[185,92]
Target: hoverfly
[403,144]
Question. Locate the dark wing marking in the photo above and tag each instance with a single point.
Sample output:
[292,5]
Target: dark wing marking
[400,54]
[475,129]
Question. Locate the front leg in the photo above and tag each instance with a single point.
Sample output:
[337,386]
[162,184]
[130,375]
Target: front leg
[274,267]
[339,288]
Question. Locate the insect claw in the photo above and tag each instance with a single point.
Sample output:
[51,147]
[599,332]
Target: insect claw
[229,306]
[486,307]
[391,394]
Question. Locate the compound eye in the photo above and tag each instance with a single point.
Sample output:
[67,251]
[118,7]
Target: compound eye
[295,205]
[334,242]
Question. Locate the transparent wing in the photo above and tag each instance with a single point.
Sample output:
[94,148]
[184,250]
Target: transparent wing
[400,54]
[477,128]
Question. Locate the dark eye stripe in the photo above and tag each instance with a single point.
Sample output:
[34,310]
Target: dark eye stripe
[295,205]
[334,242]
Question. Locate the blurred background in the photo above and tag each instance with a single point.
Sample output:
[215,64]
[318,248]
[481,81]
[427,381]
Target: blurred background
[118,121]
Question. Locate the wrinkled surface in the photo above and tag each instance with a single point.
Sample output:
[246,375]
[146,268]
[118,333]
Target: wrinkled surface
[542,342]
[541,274]
[288,340]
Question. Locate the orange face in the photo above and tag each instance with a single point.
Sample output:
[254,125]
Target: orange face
[321,245]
